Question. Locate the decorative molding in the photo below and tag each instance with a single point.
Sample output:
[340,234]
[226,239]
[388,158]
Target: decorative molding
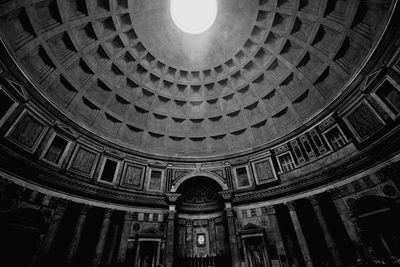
[172,197]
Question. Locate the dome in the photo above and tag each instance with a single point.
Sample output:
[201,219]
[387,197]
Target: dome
[241,133]
[125,72]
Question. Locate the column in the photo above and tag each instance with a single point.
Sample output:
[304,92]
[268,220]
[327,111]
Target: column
[123,245]
[137,253]
[216,238]
[227,197]
[273,222]
[189,238]
[169,257]
[300,235]
[76,235]
[244,248]
[102,238]
[170,245]
[349,225]
[326,232]
[232,236]
[211,232]
[42,254]
[114,236]
[158,252]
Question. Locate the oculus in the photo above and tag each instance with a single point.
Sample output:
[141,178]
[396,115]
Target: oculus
[193,16]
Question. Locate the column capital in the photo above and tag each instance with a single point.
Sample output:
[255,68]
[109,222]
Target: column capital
[85,209]
[108,213]
[62,204]
[226,195]
[291,206]
[313,200]
[211,222]
[334,193]
[129,216]
[270,210]
[189,223]
[172,197]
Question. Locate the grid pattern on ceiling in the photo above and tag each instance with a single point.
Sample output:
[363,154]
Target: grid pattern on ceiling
[87,58]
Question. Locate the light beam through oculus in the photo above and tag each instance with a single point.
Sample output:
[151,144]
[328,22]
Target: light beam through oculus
[194,16]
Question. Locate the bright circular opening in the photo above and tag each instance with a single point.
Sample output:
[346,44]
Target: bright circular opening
[193,16]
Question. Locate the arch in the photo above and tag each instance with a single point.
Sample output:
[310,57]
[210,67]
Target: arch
[188,176]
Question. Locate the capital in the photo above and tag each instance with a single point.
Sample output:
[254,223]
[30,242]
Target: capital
[313,200]
[334,193]
[172,197]
[108,213]
[62,204]
[291,206]
[227,195]
[128,216]
[85,209]
[270,210]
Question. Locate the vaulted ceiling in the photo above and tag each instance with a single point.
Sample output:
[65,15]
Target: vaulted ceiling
[123,70]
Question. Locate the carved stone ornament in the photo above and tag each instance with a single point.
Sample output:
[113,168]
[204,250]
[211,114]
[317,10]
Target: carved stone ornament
[85,209]
[128,216]
[270,210]
[108,213]
[313,200]
[226,195]
[172,197]
[291,206]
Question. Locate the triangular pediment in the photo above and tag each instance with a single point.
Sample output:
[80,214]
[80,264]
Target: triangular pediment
[150,232]
[250,227]
[370,79]
[67,130]
[18,88]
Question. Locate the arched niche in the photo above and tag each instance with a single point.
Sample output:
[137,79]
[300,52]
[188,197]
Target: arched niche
[199,194]
[196,173]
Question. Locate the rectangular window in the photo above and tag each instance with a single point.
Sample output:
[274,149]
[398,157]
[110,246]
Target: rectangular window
[335,138]
[155,180]
[109,171]
[242,177]
[390,95]
[56,150]
[297,151]
[317,141]
[286,162]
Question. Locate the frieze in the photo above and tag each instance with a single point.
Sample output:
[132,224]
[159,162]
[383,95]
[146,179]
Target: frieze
[338,170]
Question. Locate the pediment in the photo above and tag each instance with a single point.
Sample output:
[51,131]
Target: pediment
[150,232]
[251,228]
